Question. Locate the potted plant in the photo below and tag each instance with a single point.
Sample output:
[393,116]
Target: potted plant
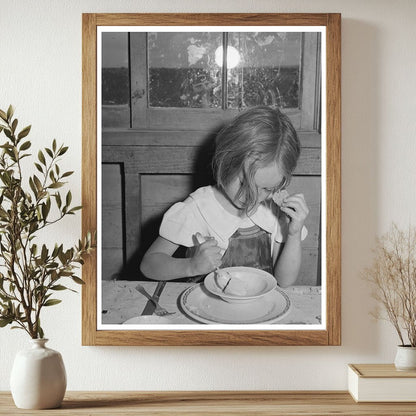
[393,276]
[31,273]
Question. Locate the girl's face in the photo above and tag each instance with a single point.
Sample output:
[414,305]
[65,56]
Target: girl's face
[267,180]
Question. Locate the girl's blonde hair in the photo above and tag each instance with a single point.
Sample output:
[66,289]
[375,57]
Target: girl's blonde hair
[254,139]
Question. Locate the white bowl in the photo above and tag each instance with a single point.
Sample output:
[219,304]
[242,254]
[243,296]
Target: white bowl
[247,284]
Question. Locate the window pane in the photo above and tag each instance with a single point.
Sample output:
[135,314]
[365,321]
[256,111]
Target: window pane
[183,71]
[268,71]
[115,64]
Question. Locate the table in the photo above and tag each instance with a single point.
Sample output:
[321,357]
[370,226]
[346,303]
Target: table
[209,403]
[120,302]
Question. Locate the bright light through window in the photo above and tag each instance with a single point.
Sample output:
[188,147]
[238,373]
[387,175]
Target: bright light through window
[233,57]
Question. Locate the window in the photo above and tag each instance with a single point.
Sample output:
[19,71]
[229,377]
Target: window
[196,80]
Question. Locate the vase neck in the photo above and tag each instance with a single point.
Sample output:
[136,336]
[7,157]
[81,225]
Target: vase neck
[38,342]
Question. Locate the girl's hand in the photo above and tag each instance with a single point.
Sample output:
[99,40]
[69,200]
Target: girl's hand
[294,206]
[207,255]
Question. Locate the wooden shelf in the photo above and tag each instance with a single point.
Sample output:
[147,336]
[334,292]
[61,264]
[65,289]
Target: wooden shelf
[180,403]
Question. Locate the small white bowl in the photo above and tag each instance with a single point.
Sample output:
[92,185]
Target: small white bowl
[247,284]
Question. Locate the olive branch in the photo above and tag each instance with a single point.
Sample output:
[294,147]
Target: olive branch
[30,273]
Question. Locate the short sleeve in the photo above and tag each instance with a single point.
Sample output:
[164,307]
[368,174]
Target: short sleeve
[179,224]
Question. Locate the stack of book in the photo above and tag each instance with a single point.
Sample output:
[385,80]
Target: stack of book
[381,383]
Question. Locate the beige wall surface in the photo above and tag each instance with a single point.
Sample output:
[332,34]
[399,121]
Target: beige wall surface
[40,74]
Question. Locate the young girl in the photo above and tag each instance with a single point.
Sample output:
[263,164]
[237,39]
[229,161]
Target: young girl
[246,219]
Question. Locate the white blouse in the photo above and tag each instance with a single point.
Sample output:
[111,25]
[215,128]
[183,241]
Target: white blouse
[202,212]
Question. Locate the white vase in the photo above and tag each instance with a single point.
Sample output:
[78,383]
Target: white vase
[405,358]
[38,377]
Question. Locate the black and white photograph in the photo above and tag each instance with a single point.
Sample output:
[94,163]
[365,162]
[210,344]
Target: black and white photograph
[211,177]
[211,191]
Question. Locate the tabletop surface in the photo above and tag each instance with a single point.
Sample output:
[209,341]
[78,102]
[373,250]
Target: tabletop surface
[121,301]
[182,403]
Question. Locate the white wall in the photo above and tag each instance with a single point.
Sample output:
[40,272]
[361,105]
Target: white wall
[40,74]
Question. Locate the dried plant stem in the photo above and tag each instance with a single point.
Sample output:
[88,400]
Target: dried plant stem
[393,276]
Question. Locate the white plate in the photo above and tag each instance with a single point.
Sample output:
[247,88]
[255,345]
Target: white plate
[198,303]
[147,319]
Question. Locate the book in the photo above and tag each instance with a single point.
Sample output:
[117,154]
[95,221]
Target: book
[381,383]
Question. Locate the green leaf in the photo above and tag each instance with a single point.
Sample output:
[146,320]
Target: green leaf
[8,133]
[45,211]
[37,182]
[76,279]
[41,157]
[48,202]
[33,187]
[72,210]
[56,185]
[63,151]
[25,145]
[24,132]
[55,251]
[40,331]
[5,321]
[59,287]
[68,199]
[54,145]
[39,167]
[51,302]
[3,115]
[58,199]
[60,249]
[67,174]
[49,152]
[10,112]
[14,125]
[33,227]
[44,253]
[62,257]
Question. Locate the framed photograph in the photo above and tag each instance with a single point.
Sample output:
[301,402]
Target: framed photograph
[161,94]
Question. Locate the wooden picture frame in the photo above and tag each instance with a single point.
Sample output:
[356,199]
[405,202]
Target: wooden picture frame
[330,331]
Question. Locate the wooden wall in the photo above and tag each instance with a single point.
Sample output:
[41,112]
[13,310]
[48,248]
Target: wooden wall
[142,180]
